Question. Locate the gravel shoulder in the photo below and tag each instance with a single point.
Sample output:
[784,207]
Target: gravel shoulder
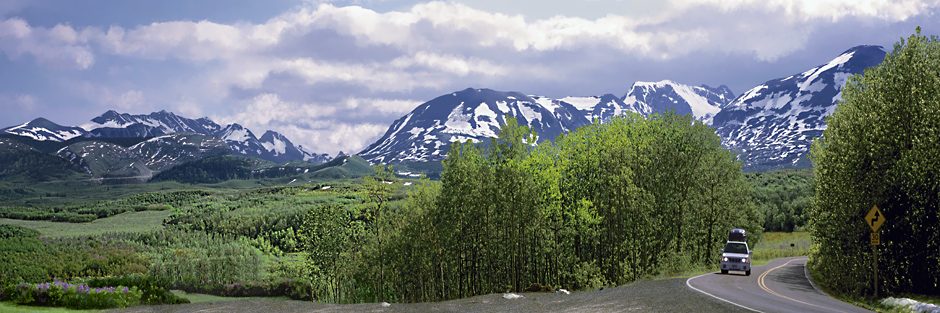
[669,295]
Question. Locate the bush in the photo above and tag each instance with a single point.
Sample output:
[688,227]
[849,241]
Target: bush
[63,294]
[297,289]
[13,231]
[152,292]
[27,259]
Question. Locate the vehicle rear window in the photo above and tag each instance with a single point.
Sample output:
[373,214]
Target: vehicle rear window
[732,247]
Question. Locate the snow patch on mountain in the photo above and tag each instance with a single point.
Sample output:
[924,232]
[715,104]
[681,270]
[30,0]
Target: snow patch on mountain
[773,124]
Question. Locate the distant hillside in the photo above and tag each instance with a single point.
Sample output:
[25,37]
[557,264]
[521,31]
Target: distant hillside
[22,163]
[229,167]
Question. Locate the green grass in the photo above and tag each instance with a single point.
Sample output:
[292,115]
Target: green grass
[198,297]
[781,245]
[126,222]
[9,307]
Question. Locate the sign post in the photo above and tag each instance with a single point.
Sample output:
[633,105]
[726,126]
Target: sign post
[874,219]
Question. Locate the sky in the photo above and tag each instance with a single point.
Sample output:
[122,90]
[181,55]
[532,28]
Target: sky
[333,75]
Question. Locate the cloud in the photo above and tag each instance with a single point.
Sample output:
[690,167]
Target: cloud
[60,47]
[334,77]
[199,41]
[106,98]
[321,127]
[832,10]
[23,102]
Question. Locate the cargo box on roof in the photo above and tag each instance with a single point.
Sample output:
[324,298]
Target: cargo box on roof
[737,235]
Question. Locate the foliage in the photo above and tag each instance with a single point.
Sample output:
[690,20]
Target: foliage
[608,204]
[79,296]
[880,148]
[28,259]
[135,222]
[297,289]
[13,231]
[151,291]
[210,170]
[90,211]
[187,258]
[271,216]
[784,198]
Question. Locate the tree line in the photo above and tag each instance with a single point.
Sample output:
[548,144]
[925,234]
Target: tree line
[880,148]
[607,204]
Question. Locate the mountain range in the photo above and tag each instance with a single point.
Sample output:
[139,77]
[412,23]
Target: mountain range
[272,146]
[771,125]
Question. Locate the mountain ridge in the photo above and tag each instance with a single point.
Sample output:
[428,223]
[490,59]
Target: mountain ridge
[271,146]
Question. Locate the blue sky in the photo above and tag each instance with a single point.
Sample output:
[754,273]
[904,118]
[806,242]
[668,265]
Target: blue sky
[333,75]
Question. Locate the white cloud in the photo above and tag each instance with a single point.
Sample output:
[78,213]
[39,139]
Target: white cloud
[319,127]
[833,10]
[60,46]
[106,98]
[335,76]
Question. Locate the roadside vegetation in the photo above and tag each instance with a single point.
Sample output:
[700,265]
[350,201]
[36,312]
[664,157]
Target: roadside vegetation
[880,148]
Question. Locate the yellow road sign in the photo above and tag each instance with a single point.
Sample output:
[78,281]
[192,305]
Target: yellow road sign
[875,238]
[875,218]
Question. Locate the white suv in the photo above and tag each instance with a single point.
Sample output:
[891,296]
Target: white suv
[736,257]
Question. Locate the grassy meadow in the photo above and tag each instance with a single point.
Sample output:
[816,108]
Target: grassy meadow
[782,245]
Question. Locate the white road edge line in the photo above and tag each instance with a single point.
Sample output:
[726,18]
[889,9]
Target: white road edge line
[810,278]
[714,296]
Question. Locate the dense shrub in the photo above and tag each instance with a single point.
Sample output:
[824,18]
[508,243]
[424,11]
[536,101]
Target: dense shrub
[61,294]
[87,212]
[11,231]
[182,257]
[297,289]
[28,259]
[152,291]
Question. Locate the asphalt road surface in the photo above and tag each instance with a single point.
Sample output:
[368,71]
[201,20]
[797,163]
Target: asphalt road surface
[779,286]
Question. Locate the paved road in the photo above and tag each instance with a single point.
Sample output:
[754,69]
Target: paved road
[779,286]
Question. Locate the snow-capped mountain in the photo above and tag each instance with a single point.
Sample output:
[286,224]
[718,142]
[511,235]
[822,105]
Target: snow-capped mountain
[703,102]
[42,129]
[241,140]
[112,124]
[313,157]
[163,152]
[280,148]
[773,125]
[426,133]
[603,107]
[272,146]
[102,159]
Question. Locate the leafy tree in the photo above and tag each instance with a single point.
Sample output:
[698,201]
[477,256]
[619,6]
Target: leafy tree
[377,191]
[784,198]
[880,148]
[609,203]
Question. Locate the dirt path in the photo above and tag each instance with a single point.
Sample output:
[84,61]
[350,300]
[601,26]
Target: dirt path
[671,295]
